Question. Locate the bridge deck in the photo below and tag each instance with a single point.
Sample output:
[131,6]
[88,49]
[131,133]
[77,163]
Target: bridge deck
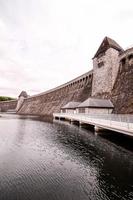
[119,123]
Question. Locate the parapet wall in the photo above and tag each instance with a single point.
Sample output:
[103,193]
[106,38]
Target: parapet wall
[51,101]
[8,105]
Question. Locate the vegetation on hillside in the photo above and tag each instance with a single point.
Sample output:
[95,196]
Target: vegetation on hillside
[2,98]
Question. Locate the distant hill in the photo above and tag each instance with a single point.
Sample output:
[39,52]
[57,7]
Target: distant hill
[3,98]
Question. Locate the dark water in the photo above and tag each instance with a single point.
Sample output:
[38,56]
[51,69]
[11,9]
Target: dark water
[59,161]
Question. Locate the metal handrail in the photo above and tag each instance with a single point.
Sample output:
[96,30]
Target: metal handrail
[112,120]
[112,117]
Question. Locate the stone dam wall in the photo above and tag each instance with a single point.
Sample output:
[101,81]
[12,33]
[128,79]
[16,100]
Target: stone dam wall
[111,78]
[122,92]
[79,89]
[51,101]
[8,105]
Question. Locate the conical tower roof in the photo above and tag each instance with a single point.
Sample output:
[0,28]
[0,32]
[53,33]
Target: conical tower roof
[23,94]
[106,44]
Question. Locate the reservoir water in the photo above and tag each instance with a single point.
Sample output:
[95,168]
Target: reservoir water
[59,161]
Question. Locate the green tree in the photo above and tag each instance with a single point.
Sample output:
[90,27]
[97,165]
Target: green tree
[3,98]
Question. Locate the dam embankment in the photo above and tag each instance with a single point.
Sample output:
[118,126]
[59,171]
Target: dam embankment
[111,78]
[78,89]
[47,103]
[8,105]
[122,92]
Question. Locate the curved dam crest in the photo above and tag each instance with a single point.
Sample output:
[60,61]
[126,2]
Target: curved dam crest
[49,102]
[111,78]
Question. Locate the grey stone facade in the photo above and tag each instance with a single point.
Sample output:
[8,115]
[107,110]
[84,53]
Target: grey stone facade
[51,101]
[122,92]
[8,105]
[111,78]
[105,68]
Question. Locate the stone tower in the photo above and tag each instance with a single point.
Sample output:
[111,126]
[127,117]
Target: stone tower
[21,98]
[105,67]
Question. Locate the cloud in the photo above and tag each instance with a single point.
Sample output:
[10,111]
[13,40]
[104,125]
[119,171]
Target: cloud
[45,43]
[125,15]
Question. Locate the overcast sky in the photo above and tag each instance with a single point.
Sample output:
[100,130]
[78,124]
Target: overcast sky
[44,43]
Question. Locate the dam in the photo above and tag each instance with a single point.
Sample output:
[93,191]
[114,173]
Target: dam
[109,80]
[43,158]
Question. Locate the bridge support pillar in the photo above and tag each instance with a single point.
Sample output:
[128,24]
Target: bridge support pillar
[81,124]
[98,130]
[71,121]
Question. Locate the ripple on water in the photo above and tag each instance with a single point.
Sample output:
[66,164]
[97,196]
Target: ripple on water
[41,160]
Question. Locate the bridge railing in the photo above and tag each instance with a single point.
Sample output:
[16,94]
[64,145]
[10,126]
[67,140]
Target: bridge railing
[112,117]
[112,120]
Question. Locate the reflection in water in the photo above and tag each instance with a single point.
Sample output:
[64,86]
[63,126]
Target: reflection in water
[59,161]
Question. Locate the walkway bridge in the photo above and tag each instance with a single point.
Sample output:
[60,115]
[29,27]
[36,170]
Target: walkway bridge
[118,123]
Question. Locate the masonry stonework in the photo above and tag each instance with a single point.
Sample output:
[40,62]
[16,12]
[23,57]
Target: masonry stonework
[122,92]
[49,102]
[104,76]
[111,77]
[8,105]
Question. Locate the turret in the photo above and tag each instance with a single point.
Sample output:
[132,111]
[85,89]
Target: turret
[21,98]
[105,67]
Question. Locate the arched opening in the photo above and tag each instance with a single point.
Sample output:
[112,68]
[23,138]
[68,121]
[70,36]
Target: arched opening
[80,83]
[123,62]
[90,76]
[130,57]
[86,80]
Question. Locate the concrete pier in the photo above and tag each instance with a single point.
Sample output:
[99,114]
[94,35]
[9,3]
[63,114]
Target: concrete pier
[98,129]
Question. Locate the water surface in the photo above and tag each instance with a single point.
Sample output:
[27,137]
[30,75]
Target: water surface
[58,161]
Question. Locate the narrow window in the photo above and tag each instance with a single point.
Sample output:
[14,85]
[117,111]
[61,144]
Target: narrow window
[100,64]
[123,62]
[130,56]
